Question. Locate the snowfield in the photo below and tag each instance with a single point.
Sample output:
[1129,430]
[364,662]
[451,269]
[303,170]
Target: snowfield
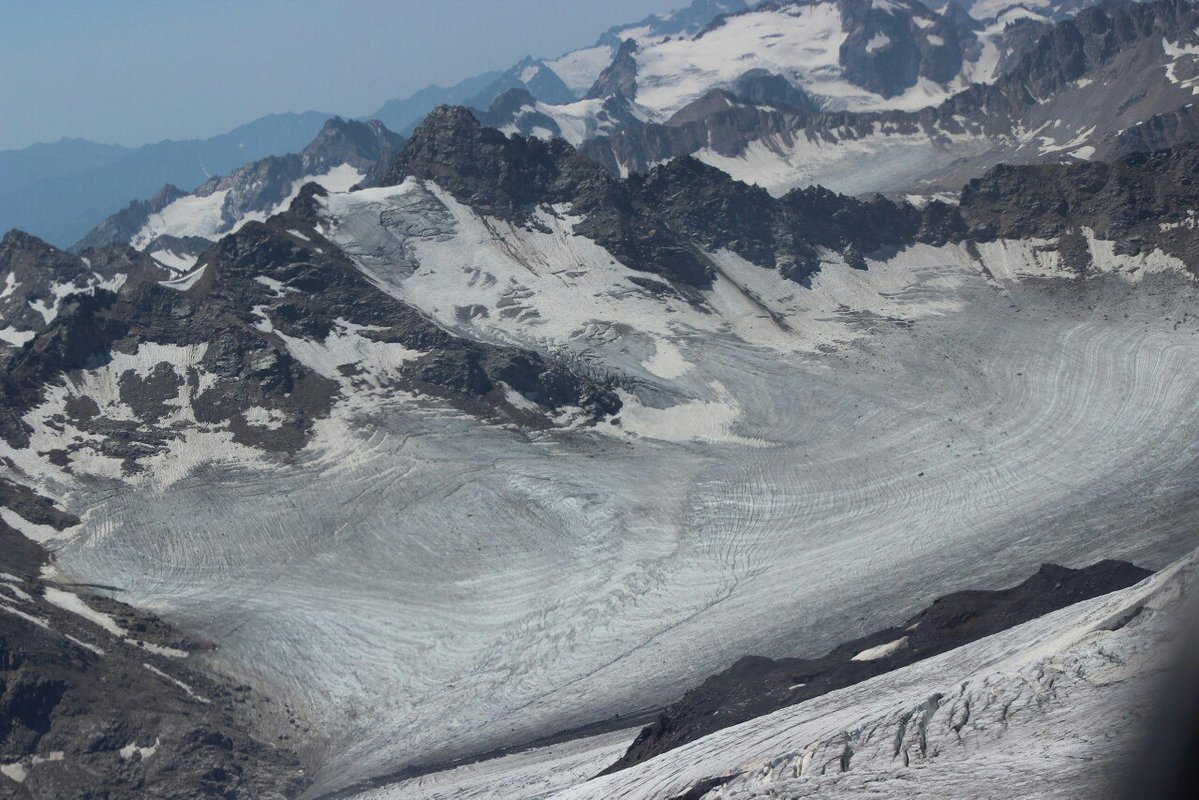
[793,466]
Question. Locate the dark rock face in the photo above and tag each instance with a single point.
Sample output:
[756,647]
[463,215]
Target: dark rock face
[326,287]
[35,277]
[785,234]
[251,368]
[887,51]
[89,329]
[718,120]
[620,77]
[760,87]
[684,203]
[85,713]
[366,145]
[1159,132]
[507,176]
[755,686]
[1129,201]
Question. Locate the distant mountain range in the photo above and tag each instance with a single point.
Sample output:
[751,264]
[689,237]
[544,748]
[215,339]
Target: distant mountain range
[816,81]
[60,191]
[175,227]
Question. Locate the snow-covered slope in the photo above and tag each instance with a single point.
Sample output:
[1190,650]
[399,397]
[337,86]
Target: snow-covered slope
[202,215]
[579,69]
[176,227]
[810,44]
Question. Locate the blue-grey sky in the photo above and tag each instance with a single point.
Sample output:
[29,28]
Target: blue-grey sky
[137,71]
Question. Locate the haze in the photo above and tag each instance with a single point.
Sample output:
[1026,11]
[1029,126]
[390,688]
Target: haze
[131,71]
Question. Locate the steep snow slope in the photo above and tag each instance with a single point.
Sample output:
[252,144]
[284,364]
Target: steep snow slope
[845,54]
[200,214]
[579,69]
[1052,708]
[423,586]
[802,42]
[1060,703]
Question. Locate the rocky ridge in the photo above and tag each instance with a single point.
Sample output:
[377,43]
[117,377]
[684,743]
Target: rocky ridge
[755,686]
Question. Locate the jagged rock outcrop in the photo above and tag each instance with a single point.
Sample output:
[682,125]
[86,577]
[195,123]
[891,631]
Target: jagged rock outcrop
[505,176]
[232,315]
[1142,202]
[760,87]
[787,234]
[620,77]
[1159,132]
[886,50]
[35,277]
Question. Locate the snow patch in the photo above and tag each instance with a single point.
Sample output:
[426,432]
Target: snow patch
[881,651]
[32,530]
[187,689]
[15,337]
[346,346]
[269,418]
[880,41]
[10,285]
[175,262]
[74,604]
[130,750]
[667,361]
[691,421]
[184,282]
[191,215]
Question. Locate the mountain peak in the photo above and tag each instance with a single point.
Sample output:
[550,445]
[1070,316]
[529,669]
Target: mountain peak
[343,141]
[619,77]
[480,166]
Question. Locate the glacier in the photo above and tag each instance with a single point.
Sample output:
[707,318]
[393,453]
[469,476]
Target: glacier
[793,465]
